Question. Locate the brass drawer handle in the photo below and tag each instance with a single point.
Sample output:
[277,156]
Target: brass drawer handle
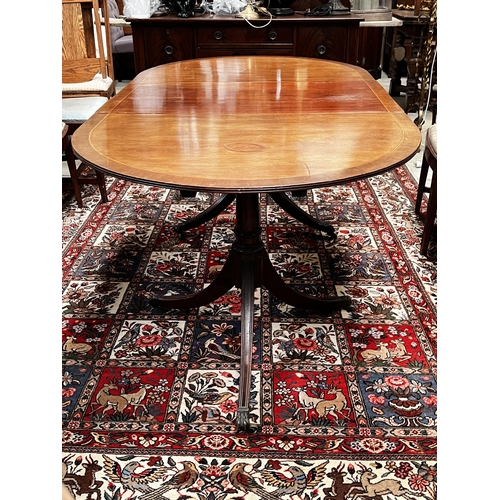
[272,35]
[218,35]
[169,50]
[321,49]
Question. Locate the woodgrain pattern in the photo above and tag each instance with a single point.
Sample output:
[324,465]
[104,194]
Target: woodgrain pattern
[248,124]
[82,46]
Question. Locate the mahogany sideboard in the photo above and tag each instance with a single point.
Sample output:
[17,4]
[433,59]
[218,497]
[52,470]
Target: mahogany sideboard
[168,38]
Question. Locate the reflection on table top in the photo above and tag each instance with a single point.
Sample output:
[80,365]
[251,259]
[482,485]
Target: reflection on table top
[248,124]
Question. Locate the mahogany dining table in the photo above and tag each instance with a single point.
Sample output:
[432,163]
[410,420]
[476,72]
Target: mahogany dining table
[242,126]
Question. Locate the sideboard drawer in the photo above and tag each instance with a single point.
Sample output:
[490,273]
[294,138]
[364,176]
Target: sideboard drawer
[243,50]
[236,35]
[327,42]
[170,44]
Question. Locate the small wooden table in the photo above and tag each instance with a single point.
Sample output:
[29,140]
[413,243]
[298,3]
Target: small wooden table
[248,125]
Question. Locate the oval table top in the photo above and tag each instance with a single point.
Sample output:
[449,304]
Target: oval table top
[248,124]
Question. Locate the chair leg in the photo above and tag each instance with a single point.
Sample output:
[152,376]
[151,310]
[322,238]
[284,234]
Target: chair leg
[430,216]
[101,182]
[421,184]
[70,158]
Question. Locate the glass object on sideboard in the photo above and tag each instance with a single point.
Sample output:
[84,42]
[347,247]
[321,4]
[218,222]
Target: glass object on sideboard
[373,10]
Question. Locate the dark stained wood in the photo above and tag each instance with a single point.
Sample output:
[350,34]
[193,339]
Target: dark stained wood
[248,124]
[429,160]
[164,39]
[75,172]
[370,47]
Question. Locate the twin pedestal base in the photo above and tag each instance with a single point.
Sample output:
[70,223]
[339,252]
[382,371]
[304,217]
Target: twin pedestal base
[248,267]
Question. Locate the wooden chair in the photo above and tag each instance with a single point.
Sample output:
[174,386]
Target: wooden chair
[87,66]
[429,160]
[76,111]
[87,77]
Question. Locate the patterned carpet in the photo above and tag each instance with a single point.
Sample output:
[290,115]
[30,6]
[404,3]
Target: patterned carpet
[345,402]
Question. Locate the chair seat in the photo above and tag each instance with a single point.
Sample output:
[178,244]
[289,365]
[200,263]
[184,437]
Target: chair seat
[80,109]
[97,84]
[431,140]
[123,45]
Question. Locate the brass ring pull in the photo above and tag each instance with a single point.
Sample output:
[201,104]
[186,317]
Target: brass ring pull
[169,50]
[272,35]
[218,35]
[321,49]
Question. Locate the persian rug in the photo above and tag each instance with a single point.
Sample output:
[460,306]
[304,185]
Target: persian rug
[345,403]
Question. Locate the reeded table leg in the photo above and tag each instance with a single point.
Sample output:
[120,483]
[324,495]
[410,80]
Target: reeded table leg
[248,267]
[247,316]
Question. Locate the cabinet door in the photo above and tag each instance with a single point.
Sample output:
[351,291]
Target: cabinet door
[336,43]
[167,44]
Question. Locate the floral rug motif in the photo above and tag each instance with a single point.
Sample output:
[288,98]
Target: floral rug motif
[345,403]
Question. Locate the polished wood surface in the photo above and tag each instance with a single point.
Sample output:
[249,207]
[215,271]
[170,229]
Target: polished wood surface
[248,124]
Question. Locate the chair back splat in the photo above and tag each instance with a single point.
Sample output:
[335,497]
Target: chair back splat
[87,65]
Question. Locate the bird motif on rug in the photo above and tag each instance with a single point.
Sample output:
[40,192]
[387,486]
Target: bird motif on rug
[325,341]
[297,483]
[181,480]
[213,348]
[244,481]
[130,337]
[209,397]
[135,481]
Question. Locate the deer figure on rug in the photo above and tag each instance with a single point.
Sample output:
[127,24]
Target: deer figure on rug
[107,401]
[119,402]
[84,483]
[78,347]
[136,398]
[381,353]
[339,489]
[382,487]
[321,405]
[399,351]
[336,405]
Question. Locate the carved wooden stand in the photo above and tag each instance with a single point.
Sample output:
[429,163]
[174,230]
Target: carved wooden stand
[248,267]
[280,198]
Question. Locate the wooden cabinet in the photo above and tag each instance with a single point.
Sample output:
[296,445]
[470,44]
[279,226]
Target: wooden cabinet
[336,42]
[163,45]
[370,48]
[165,39]
[228,40]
